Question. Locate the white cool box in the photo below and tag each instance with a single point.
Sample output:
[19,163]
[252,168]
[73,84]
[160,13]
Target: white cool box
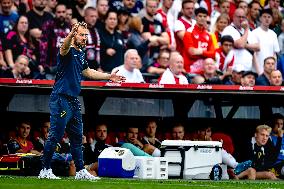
[191,159]
[151,167]
[180,159]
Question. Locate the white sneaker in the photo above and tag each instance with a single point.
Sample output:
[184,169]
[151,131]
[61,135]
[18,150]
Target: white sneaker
[84,174]
[47,173]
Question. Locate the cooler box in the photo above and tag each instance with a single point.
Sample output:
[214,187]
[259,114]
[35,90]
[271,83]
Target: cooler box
[144,168]
[116,162]
[191,159]
[151,167]
[161,168]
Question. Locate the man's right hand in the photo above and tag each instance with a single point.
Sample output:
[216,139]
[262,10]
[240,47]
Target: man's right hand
[74,29]
[135,141]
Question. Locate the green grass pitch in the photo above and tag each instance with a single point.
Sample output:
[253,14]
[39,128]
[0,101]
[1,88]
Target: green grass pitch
[14,182]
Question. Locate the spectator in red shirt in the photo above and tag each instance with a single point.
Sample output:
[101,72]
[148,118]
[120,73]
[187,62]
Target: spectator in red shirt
[198,44]
[184,24]
[224,55]
[162,17]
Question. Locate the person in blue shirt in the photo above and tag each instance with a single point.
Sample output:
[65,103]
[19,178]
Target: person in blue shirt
[65,108]
[8,17]
[277,132]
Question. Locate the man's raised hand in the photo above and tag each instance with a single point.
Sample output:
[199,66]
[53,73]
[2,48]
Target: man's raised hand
[74,29]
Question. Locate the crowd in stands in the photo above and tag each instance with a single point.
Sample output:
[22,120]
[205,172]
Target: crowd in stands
[177,42]
[263,152]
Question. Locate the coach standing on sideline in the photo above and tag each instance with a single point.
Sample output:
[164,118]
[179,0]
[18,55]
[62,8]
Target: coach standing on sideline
[65,108]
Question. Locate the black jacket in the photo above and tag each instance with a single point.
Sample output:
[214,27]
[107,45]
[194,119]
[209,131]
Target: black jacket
[264,157]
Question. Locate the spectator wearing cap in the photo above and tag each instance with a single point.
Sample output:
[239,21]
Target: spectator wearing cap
[173,74]
[276,78]
[244,42]
[224,55]
[248,79]
[268,67]
[267,40]
[236,75]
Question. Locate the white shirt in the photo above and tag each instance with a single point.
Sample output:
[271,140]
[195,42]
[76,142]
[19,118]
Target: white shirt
[268,45]
[174,11]
[91,3]
[214,15]
[179,26]
[169,78]
[131,77]
[242,56]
